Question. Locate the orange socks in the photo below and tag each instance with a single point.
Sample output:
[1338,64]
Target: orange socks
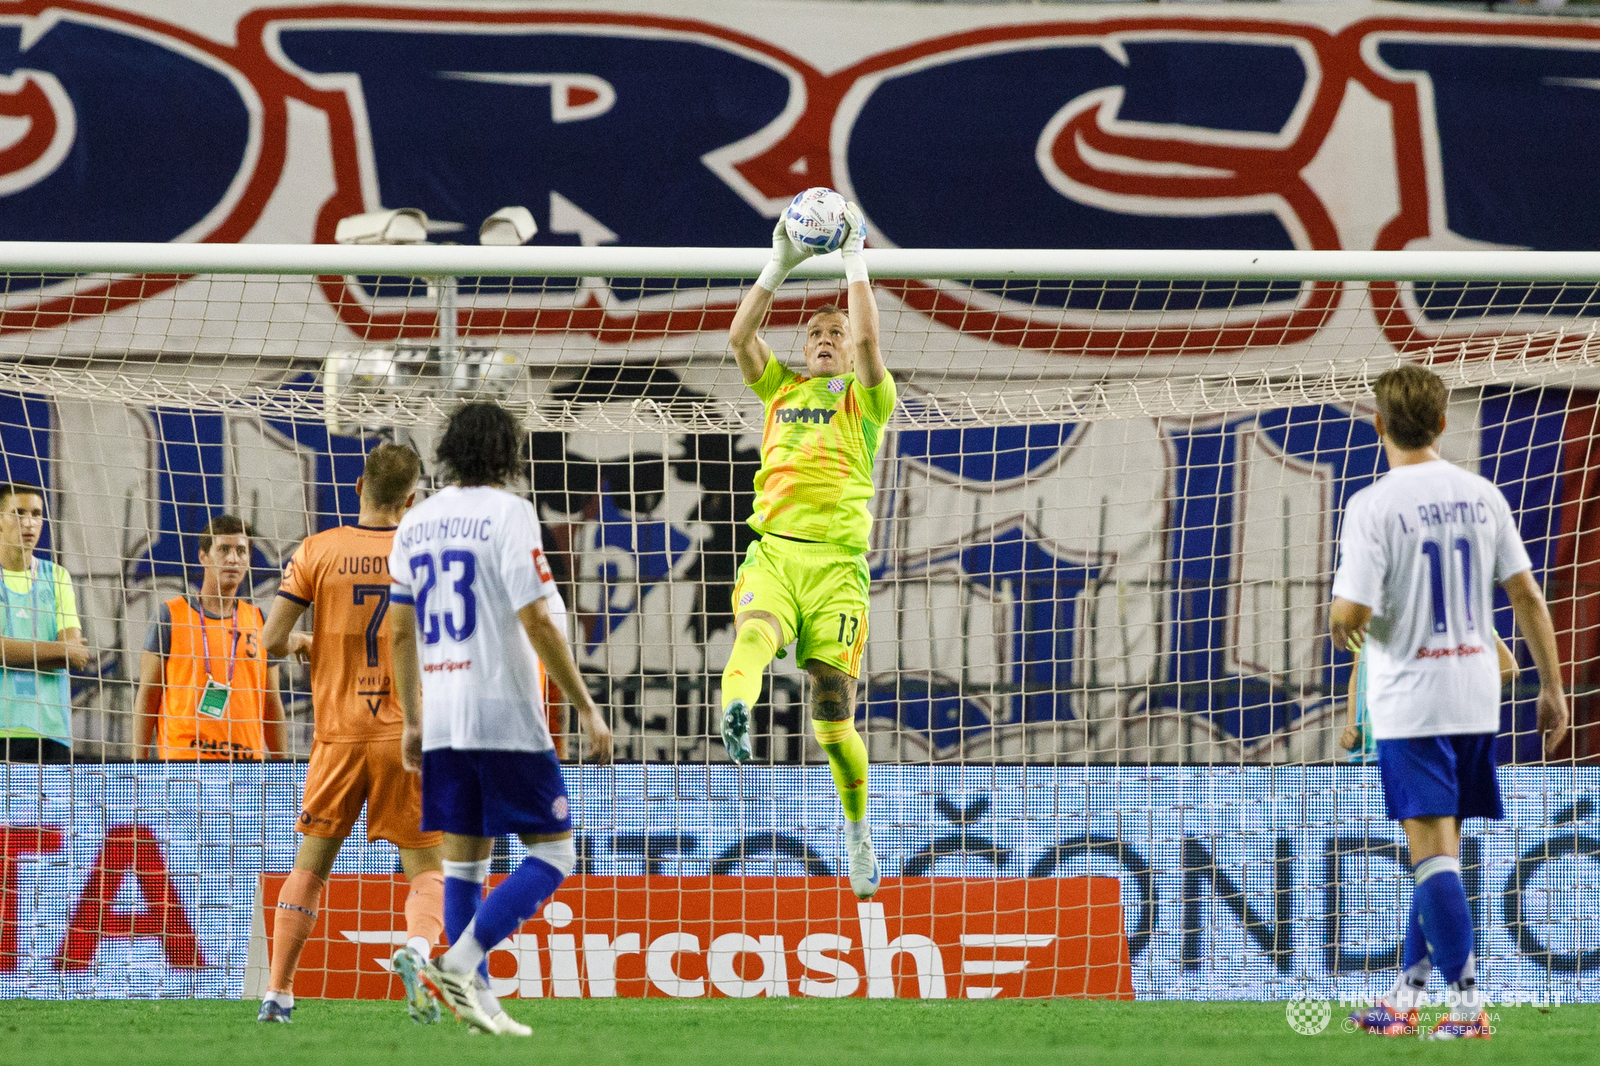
[425,910]
[297,913]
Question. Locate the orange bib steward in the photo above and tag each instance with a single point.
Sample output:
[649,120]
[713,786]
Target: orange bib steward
[196,649]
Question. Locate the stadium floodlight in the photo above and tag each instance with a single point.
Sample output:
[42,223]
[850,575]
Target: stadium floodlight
[508,228]
[405,225]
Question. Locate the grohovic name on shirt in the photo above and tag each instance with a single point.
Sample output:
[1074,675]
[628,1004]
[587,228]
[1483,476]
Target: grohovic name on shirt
[1449,512]
[458,528]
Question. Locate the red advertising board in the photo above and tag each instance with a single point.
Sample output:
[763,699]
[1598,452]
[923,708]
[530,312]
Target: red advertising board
[930,938]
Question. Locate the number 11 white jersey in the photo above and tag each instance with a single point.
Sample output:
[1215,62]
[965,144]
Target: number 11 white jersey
[467,560]
[1424,546]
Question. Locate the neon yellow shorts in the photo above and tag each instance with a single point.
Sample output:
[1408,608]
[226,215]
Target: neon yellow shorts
[819,593]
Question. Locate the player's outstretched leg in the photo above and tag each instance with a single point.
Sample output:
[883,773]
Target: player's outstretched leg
[296,915]
[833,721]
[1396,1014]
[453,976]
[1447,923]
[755,646]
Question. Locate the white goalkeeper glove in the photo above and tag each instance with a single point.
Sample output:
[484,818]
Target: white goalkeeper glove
[786,255]
[855,238]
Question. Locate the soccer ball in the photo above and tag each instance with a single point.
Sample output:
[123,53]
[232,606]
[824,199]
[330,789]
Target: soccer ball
[814,220]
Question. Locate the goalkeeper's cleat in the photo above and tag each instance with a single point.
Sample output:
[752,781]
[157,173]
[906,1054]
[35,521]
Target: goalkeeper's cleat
[424,1009]
[1451,1029]
[273,1011]
[864,878]
[1383,1020]
[459,992]
[736,731]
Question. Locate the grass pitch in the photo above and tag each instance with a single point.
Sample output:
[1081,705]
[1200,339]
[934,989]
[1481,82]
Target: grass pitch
[754,1033]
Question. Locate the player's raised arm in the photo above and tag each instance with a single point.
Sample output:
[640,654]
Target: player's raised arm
[744,336]
[863,304]
[1533,618]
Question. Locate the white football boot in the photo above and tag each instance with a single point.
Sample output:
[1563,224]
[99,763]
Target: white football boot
[864,877]
[504,1024]
[459,992]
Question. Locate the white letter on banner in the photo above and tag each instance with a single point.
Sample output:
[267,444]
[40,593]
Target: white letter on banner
[530,971]
[880,952]
[774,979]
[995,967]
[658,965]
[600,961]
[810,952]
[564,982]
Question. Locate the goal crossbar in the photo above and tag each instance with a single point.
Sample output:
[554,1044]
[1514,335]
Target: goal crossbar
[884,263]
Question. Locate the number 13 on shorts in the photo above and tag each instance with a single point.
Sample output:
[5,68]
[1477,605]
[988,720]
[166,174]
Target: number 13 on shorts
[850,631]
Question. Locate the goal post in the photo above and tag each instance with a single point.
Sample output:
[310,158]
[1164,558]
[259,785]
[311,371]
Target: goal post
[1132,332]
[1096,680]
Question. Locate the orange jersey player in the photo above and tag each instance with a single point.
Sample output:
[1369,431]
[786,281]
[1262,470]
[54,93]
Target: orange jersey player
[342,575]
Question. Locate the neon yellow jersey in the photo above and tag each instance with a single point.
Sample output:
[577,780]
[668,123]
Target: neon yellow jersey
[818,444]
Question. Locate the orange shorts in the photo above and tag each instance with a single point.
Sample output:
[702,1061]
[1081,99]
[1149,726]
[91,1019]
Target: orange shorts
[345,774]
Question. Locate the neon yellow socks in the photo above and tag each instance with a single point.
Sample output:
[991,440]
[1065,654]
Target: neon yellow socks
[753,649]
[847,758]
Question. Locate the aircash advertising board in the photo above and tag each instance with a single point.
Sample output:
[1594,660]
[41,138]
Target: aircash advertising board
[1000,882]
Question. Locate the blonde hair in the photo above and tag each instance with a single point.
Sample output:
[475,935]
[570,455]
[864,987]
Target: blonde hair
[1412,401]
[390,474]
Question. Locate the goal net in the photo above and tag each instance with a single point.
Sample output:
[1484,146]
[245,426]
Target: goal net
[1097,690]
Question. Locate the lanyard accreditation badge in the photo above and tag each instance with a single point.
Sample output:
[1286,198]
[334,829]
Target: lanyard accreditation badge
[214,700]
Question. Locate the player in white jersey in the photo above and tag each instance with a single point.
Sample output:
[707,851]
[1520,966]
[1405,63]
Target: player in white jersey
[470,626]
[1420,553]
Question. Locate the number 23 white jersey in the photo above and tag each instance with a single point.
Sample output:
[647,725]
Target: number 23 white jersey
[1424,546]
[467,560]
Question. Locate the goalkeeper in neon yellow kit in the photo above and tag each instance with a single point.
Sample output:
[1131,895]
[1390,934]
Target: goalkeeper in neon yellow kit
[806,579]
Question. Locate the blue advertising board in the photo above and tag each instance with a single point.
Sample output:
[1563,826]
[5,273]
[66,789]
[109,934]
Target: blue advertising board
[1237,883]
